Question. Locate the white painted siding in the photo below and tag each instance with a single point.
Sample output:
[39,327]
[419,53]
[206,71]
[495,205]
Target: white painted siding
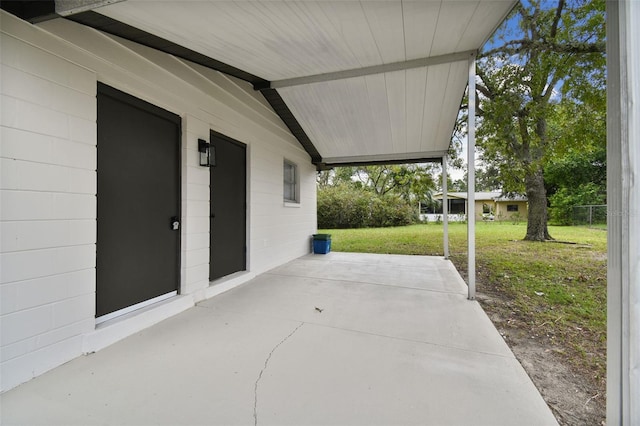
[48,183]
[277,232]
[48,210]
[195,209]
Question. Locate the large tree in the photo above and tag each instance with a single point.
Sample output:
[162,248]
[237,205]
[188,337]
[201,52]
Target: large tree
[546,53]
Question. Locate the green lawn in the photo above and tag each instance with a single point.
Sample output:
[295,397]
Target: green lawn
[556,288]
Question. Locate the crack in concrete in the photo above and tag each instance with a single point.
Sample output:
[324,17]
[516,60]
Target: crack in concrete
[255,388]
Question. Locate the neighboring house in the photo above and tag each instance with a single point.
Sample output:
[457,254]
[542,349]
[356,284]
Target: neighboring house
[488,206]
[511,207]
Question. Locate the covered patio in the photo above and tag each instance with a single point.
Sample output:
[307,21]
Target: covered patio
[340,339]
[350,83]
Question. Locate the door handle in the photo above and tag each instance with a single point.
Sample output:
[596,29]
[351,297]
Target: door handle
[175,223]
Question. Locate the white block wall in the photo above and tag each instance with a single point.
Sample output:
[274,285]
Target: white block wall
[48,209]
[195,208]
[49,77]
[278,231]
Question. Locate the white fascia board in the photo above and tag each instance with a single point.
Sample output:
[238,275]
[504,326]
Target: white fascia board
[71,7]
[409,157]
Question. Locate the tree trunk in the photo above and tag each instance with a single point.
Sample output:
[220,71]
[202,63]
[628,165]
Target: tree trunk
[537,218]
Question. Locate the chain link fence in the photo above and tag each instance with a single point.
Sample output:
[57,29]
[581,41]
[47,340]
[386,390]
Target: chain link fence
[590,215]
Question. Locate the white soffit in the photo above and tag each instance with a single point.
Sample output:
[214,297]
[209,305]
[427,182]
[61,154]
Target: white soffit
[407,112]
[400,114]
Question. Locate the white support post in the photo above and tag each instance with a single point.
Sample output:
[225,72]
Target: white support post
[471,182]
[445,208]
[623,213]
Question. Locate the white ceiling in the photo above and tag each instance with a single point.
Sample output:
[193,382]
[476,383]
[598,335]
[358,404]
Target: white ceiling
[383,115]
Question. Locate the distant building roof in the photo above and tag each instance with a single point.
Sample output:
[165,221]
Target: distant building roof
[512,197]
[480,196]
[497,196]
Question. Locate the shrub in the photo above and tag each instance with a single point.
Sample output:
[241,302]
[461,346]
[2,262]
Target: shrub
[347,207]
[389,210]
[563,201]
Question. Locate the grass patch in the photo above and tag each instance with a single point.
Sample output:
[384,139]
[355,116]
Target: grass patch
[555,291]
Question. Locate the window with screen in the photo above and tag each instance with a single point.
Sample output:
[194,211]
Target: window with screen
[291,187]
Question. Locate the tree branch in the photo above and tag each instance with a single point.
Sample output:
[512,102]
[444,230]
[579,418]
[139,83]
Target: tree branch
[485,91]
[556,19]
[517,47]
[526,142]
[485,88]
[531,22]
[546,95]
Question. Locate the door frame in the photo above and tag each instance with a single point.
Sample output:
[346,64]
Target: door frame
[147,106]
[246,147]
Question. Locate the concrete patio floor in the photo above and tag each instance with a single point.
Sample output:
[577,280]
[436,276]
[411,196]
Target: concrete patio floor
[337,339]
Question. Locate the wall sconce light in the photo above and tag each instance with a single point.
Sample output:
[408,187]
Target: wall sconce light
[204,149]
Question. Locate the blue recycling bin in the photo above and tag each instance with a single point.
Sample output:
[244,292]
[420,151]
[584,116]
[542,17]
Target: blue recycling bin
[321,243]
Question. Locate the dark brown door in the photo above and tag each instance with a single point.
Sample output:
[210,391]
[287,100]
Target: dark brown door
[228,207]
[138,198]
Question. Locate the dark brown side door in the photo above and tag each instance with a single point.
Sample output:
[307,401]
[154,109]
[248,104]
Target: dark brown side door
[228,221]
[138,196]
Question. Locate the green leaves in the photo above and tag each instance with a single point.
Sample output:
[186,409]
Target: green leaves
[566,199]
[557,55]
[541,90]
[411,182]
[344,206]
